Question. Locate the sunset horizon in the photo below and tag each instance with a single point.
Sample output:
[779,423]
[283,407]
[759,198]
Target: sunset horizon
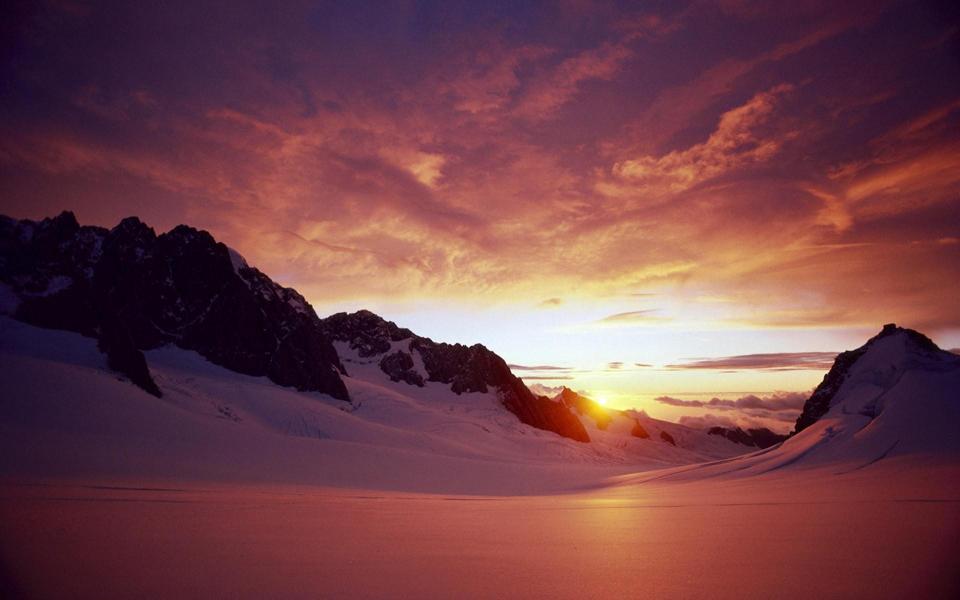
[696,380]
[572,255]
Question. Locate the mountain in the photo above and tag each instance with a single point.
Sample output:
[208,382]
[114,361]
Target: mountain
[134,290]
[601,415]
[760,437]
[896,348]
[584,406]
[890,405]
[65,414]
[414,360]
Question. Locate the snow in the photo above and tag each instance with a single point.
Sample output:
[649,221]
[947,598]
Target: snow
[237,260]
[65,415]
[808,538]
[895,405]
[231,486]
[418,367]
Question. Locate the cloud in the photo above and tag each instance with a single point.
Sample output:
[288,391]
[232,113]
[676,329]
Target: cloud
[636,413]
[781,361]
[675,106]
[549,92]
[538,368]
[614,366]
[460,160]
[634,317]
[545,390]
[791,402]
[735,142]
[777,411]
[707,421]
[550,302]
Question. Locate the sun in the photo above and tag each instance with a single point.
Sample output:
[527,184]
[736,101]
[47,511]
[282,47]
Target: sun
[601,400]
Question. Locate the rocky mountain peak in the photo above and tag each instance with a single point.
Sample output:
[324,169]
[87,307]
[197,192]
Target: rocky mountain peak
[465,369]
[135,290]
[916,341]
[64,223]
[366,332]
[585,406]
[760,437]
[132,226]
[883,358]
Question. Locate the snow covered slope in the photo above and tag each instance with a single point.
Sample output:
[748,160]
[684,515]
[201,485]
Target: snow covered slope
[63,414]
[894,401]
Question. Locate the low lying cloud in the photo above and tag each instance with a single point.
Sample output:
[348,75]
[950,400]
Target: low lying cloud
[636,413]
[707,421]
[538,368]
[776,402]
[545,390]
[777,411]
[779,361]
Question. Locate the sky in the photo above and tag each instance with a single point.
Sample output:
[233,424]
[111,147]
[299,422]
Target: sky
[658,203]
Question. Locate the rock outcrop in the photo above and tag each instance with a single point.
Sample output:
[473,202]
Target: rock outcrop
[464,368]
[760,437]
[135,290]
[638,431]
[823,396]
[586,407]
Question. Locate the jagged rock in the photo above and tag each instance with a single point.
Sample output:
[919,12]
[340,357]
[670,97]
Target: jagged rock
[399,366]
[123,357]
[181,287]
[586,407]
[366,332]
[542,412]
[819,402]
[639,431]
[760,437]
[667,438]
[465,369]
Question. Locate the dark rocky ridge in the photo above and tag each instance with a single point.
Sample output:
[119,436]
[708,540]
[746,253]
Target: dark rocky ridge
[586,407]
[819,402]
[602,415]
[638,431]
[463,368]
[134,290]
[760,437]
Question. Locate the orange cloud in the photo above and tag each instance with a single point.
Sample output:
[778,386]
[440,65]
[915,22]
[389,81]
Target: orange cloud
[553,89]
[506,164]
[734,143]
